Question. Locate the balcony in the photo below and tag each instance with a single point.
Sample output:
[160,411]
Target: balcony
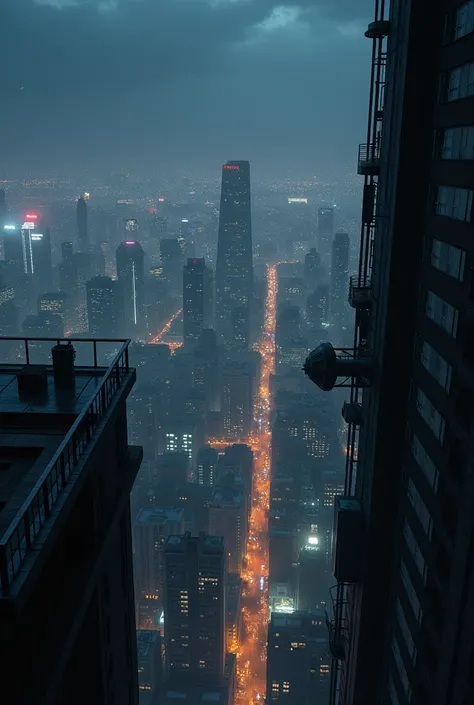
[360,292]
[368,163]
[74,415]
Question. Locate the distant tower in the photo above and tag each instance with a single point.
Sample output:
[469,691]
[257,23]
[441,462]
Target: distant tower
[197,299]
[105,307]
[131,274]
[195,570]
[82,227]
[3,207]
[339,277]
[313,270]
[325,233]
[234,272]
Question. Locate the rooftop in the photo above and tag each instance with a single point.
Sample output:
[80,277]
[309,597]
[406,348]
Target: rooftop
[48,417]
[158,515]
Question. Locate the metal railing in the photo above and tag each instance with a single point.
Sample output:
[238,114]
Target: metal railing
[359,288]
[29,351]
[19,538]
[369,155]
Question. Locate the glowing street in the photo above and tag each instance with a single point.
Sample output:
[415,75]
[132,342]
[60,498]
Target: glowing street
[251,661]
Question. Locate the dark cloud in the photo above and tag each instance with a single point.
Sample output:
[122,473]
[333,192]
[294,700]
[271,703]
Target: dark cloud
[119,74]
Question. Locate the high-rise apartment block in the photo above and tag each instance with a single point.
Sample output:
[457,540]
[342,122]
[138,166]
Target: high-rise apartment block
[195,608]
[66,579]
[105,307]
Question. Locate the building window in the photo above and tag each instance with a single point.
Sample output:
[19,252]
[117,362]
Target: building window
[458,83]
[454,203]
[460,22]
[401,668]
[437,366]
[448,259]
[443,314]
[410,592]
[405,630]
[415,551]
[424,462]
[430,415]
[458,143]
[420,509]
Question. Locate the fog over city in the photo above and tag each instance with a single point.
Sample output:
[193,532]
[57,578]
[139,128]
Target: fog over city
[236,352]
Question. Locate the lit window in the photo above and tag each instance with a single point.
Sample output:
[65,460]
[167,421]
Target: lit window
[443,314]
[448,259]
[436,366]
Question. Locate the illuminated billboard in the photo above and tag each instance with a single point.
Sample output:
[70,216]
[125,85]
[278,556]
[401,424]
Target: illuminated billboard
[298,200]
[233,167]
[28,226]
[9,227]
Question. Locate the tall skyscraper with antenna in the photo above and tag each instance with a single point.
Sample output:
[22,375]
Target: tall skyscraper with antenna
[234,271]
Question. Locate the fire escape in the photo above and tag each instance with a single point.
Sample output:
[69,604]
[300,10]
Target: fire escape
[330,367]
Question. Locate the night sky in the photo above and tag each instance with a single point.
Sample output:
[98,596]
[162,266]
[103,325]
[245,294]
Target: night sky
[152,85]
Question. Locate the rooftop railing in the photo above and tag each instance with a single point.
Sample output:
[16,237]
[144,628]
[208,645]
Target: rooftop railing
[18,540]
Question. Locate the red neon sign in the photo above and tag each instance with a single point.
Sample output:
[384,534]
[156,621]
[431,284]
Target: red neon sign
[31,216]
[231,166]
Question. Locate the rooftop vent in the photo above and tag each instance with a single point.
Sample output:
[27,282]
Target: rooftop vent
[32,382]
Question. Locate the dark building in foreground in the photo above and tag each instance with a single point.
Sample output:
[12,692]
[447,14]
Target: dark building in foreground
[403,621]
[66,581]
[234,270]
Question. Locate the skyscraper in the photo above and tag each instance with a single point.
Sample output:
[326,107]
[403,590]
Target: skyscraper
[234,271]
[236,401]
[339,278]
[67,472]
[410,416]
[197,299]
[206,463]
[297,662]
[131,275]
[82,225]
[105,307]
[172,259]
[195,608]
[325,234]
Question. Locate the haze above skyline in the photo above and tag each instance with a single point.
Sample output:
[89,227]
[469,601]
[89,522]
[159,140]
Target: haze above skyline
[152,86]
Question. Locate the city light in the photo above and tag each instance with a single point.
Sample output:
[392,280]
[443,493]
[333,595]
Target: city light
[31,216]
[166,328]
[251,652]
[9,227]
